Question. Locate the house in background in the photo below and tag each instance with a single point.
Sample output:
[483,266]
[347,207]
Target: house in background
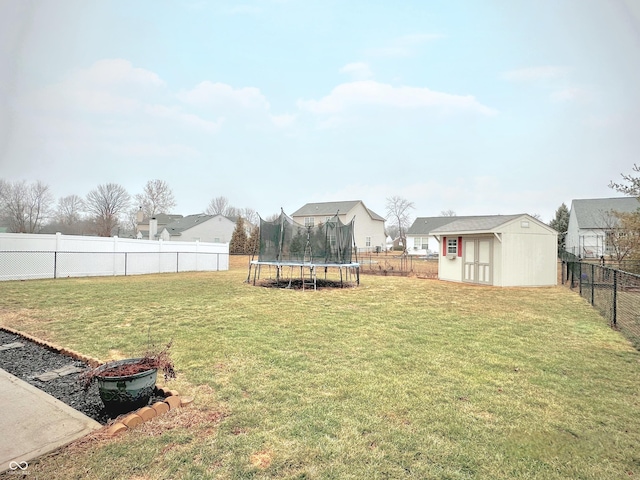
[144,224]
[591,222]
[369,234]
[419,239]
[500,250]
[203,228]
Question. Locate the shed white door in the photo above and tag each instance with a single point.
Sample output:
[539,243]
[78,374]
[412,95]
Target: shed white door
[477,260]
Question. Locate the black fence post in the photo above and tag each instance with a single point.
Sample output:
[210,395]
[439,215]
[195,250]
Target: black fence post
[55,265]
[593,267]
[580,277]
[615,297]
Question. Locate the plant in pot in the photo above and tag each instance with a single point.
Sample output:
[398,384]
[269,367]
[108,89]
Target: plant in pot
[125,385]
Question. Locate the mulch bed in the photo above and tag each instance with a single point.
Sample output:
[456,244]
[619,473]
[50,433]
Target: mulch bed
[32,360]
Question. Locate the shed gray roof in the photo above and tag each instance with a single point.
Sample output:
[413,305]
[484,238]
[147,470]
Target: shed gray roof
[425,225]
[592,212]
[331,208]
[476,224]
[185,223]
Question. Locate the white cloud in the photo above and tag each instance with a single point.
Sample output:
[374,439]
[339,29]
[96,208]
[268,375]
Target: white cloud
[217,94]
[532,74]
[115,71]
[352,95]
[188,119]
[357,70]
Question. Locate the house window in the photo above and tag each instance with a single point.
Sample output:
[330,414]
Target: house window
[332,240]
[422,243]
[367,241]
[308,221]
[452,245]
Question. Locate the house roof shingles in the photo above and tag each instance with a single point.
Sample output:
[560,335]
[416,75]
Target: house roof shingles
[476,224]
[331,208]
[425,225]
[185,223]
[592,212]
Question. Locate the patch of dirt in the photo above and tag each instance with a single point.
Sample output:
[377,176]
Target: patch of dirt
[296,284]
[261,459]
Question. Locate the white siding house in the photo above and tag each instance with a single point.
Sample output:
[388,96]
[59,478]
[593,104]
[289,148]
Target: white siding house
[499,250]
[368,226]
[591,221]
[203,228]
[420,241]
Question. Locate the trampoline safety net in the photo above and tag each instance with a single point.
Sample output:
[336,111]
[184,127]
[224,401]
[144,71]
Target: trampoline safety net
[284,240]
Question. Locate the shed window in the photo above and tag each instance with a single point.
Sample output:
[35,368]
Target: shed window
[367,241]
[452,245]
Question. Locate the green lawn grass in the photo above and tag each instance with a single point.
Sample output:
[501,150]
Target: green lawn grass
[397,378]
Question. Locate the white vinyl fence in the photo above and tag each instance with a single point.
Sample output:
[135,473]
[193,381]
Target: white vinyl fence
[30,256]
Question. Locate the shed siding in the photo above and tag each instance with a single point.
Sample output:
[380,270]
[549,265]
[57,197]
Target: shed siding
[531,260]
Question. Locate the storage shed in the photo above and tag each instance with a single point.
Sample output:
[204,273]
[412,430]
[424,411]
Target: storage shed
[499,250]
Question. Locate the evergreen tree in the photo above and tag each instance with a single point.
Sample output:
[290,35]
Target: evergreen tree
[253,242]
[238,242]
[561,224]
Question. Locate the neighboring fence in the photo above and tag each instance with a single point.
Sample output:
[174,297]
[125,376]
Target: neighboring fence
[614,293]
[25,256]
[389,264]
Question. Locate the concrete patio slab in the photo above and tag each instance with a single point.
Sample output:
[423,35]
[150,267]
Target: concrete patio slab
[34,423]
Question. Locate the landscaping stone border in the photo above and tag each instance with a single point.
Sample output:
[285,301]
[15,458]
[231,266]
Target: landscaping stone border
[172,399]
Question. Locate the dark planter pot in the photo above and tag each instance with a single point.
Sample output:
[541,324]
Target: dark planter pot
[126,393]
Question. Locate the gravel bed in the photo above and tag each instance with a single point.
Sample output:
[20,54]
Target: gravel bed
[32,360]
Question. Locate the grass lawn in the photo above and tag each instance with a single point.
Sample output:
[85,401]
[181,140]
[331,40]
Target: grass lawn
[397,378]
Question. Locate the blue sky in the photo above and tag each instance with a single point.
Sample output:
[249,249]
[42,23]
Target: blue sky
[481,107]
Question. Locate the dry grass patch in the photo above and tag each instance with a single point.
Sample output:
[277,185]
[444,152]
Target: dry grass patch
[400,377]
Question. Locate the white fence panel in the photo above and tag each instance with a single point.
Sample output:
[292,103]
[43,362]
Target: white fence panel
[31,256]
[84,264]
[26,265]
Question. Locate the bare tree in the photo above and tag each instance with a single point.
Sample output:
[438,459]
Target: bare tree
[106,203]
[398,212]
[250,215]
[155,198]
[69,209]
[633,189]
[14,206]
[218,206]
[25,207]
[221,206]
[623,233]
[447,213]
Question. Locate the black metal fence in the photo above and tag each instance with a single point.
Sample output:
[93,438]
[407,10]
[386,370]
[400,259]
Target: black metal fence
[26,265]
[402,265]
[614,293]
